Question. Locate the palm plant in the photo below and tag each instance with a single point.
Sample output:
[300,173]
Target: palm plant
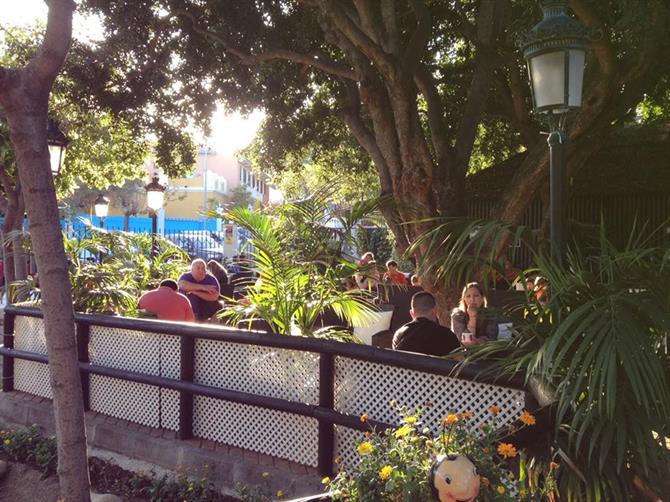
[599,341]
[301,265]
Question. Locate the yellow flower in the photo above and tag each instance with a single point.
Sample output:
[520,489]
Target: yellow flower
[325,481]
[506,450]
[410,420]
[280,493]
[7,442]
[403,431]
[364,417]
[449,420]
[385,472]
[365,448]
[495,409]
[500,489]
[265,474]
[527,418]
[429,444]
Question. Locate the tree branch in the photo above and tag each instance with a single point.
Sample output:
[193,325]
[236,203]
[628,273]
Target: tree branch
[417,43]
[391,35]
[318,61]
[487,30]
[369,20]
[51,55]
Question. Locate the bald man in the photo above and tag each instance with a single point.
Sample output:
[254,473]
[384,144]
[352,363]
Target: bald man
[201,289]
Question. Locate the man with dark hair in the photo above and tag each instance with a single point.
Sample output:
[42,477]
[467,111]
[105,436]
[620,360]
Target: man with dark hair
[423,334]
[201,289]
[167,303]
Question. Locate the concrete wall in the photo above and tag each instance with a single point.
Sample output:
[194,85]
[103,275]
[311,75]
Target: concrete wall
[224,465]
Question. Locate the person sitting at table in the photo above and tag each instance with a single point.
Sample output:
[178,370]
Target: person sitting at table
[393,275]
[201,289]
[472,317]
[166,303]
[423,333]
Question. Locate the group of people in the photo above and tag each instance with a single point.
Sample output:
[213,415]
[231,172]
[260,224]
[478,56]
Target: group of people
[194,297]
[471,324]
[370,276]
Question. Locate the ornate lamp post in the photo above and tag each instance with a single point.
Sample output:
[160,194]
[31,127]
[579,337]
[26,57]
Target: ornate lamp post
[155,195]
[57,142]
[101,206]
[555,51]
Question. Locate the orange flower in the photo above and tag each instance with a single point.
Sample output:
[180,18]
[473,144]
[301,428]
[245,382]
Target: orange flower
[449,420]
[495,409]
[553,466]
[506,450]
[486,450]
[467,415]
[527,418]
[364,417]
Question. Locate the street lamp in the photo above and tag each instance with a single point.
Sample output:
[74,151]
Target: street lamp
[57,142]
[155,194]
[555,51]
[101,206]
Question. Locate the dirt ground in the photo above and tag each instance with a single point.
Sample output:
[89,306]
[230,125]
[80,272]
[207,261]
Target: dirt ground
[24,484]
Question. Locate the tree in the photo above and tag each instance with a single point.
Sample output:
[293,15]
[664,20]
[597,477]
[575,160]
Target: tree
[420,85]
[24,98]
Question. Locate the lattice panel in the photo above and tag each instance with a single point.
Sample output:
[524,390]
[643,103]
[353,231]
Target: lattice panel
[346,440]
[259,370]
[276,433]
[32,377]
[170,368]
[29,334]
[148,353]
[135,402]
[364,387]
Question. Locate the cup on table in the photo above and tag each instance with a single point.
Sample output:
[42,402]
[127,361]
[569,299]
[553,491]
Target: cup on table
[466,338]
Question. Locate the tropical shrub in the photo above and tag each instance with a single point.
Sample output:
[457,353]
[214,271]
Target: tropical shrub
[597,342]
[301,265]
[395,465]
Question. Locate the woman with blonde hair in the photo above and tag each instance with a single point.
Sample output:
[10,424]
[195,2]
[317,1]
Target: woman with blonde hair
[471,321]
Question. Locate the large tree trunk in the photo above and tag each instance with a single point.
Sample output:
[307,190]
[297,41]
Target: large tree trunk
[24,95]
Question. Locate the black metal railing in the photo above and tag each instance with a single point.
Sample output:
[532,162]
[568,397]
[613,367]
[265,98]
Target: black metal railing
[325,414]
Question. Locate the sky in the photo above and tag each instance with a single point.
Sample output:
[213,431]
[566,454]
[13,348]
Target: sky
[230,131]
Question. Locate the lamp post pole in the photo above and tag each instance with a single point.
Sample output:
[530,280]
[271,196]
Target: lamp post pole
[558,192]
[555,51]
[154,231]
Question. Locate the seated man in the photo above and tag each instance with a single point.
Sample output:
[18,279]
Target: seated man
[167,303]
[423,333]
[201,289]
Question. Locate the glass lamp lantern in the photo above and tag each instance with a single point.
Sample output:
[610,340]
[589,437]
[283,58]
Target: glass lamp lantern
[155,194]
[555,52]
[57,142]
[101,206]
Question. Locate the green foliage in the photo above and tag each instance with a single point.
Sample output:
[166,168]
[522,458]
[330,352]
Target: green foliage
[30,447]
[241,197]
[598,342]
[298,254]
[395,464]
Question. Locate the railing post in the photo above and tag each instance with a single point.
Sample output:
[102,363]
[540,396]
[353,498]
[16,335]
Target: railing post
[83,337]
[186,398]
[326,400]
[8,361]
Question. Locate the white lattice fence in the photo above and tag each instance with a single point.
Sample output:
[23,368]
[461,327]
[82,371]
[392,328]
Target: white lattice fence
[29,376]
[264,371]
[366,387]
[148,353]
